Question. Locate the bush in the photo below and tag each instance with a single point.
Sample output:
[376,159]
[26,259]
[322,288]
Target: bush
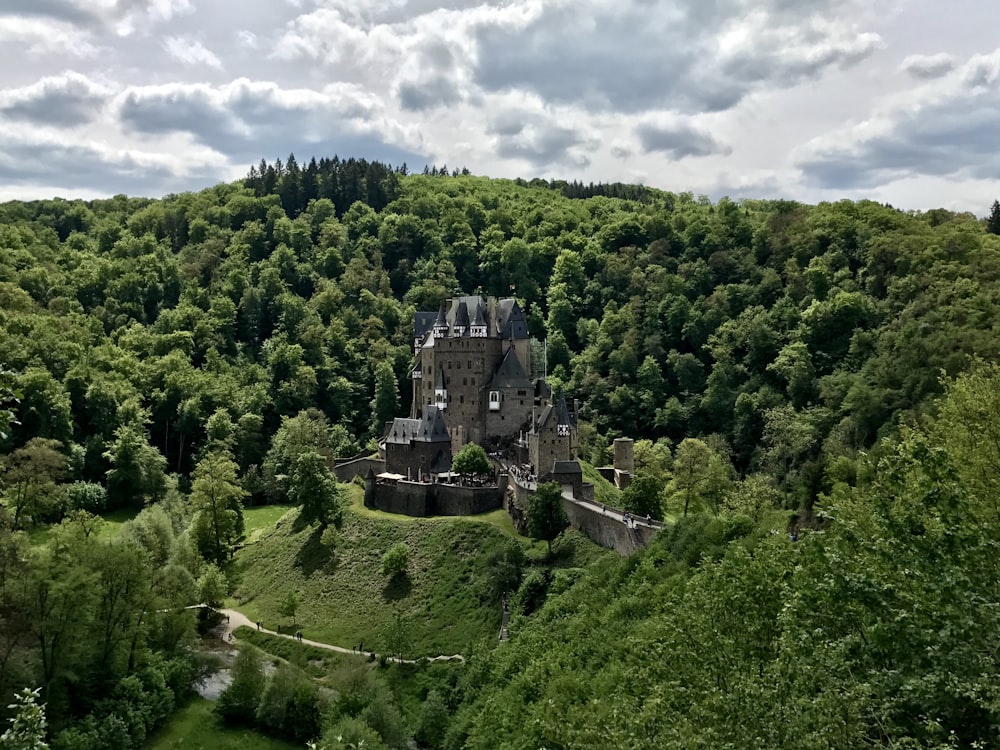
[350,733]
[533,591]
[87,496]
[395,559]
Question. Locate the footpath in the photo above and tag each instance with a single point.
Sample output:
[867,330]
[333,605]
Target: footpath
[235,619]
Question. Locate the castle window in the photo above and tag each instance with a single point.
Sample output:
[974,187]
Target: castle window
[461,399]
[494,400]
[465,381]
[470,364]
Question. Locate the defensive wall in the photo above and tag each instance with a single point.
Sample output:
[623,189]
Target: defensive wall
[347,469]
[422,499]
[604,525]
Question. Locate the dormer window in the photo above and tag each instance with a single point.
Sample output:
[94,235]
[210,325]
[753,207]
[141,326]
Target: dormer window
[562,430]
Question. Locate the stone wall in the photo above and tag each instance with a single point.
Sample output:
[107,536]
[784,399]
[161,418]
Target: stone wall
[346,471]
[422,499]
[607,528]
[603,526]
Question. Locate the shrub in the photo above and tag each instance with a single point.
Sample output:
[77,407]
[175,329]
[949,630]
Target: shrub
[395,559]
[87,496]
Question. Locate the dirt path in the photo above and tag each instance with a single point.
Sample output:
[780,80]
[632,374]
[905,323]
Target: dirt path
[236,619]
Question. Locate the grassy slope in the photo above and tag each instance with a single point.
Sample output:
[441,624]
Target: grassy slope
[345,599]
[194,727]
[604,491]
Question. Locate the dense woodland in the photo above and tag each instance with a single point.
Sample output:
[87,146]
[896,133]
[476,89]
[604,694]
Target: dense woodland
[198,353]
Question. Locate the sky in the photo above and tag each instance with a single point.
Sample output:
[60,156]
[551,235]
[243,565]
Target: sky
[896,100]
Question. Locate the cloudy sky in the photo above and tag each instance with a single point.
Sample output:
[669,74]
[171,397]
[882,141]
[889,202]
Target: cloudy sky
[896,100]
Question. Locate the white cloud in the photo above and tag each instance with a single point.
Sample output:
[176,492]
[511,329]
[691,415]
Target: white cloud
[32,156]
[65,100]
[247,119]
[191,52]
[944,128]
[42,37]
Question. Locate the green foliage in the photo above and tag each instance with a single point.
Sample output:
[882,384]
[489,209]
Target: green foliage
[30,477]
[643,497]
[351,734]
[194,726]
[217,504]
[87,496]
[290,605]
[238,702]
[27,726]
[395,560]
[471,459]
[546,517]
[273,315]
[212,586]
[313,487]
[385,404]
[432,724]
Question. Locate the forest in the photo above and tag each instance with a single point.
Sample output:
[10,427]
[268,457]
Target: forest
[823,369]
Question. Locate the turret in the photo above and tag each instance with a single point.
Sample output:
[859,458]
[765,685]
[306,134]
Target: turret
[441,323]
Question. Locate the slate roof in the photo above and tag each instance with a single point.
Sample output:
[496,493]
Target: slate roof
[428,429]
[422,323]
[509,374]
[502,318]
[478,317]
[566,467]
[462,316]
[562,413]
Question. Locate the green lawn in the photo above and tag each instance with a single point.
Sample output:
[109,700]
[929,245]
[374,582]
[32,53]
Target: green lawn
[195,727]
[112,526]
[262,518]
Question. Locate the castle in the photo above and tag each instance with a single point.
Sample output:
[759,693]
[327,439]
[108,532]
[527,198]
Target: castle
[471,381]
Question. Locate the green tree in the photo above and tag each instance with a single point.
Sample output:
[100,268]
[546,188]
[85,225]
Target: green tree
[993,220]
[546,516]
[396,636]
[138,473]
[470,460]
[238,703]
[432,723]
[699,475]
[395,560]
[385,403]
[217,501]
[290,605]
[10,395]
[643,497]
[314,488]
[28,724]
[30,480]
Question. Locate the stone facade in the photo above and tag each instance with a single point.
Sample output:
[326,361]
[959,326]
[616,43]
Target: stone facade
[472,363]
[423,499]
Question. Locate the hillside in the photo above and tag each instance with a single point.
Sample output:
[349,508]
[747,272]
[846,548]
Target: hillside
[193,356]
[876,630]
[446,600]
